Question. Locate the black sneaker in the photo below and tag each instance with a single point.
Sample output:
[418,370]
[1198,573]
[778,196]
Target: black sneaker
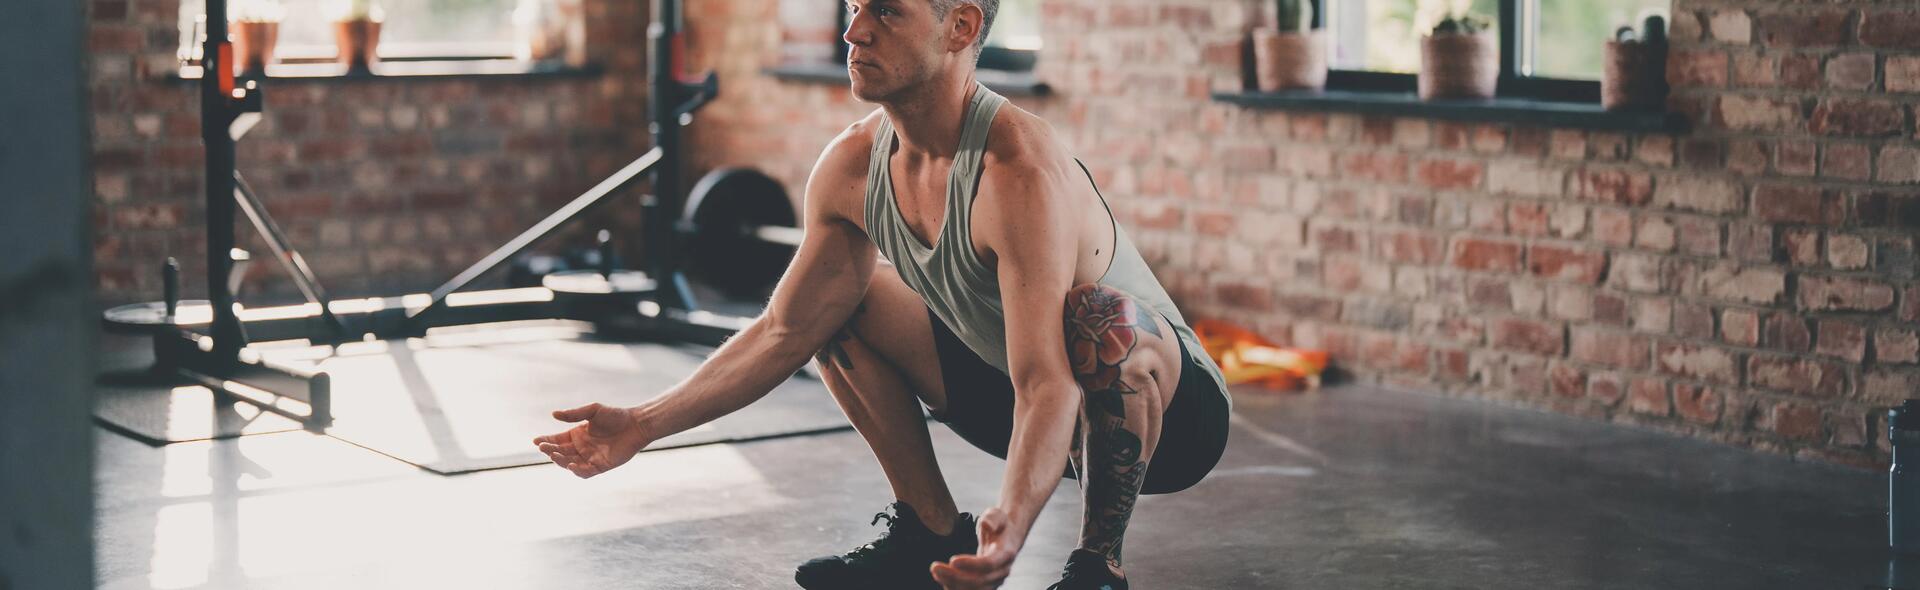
[898,559]
[1087,570]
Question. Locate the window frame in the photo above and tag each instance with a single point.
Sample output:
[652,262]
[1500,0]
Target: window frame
[1512,84]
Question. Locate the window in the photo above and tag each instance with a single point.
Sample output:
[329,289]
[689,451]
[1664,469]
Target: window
[1550,49]
[413,29]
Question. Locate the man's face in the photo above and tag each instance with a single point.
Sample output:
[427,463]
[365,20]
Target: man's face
[894,45]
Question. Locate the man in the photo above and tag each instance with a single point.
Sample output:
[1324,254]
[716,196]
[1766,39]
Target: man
[1014,308]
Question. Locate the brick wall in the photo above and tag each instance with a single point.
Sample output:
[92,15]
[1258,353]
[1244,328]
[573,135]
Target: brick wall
[1751,281]
[385,185]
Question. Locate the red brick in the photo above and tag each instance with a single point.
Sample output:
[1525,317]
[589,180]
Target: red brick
[1702,154]
[1731,26]
[1375,167]
[1899,164]
[1884,387]
[1787,332]
[1894,345]
[1847,252]
[1852,71]
[1613,227]
[1699,236]
[1609,348]
[1842,339]
[1729,282]
[1637,273]
[1750,242]
[1704,68]
[1697,193]
[1800,72]
[1450,174]
[1618,187]
[1903,73]
[1740,327]
[1858,118]
[1893,30]
[1246,296]
[1485,255]
[1606,388]
[1334,239]
[1706,363]
[1844,294]
[1567,144]
[1821,28]
[1846,161]
[1554,262]
[1412,247]
[1649,396]
[1542,338]
[1527,219]
[1746,157]
[1656,150]
[1755,71]
[1802,246]
[147,216]
[1796,421]
[1796,375]
[1785,203]
[1696,403]
[1757,113]
[1686,26]
[1654,233]
[1566,380]
[1910,304]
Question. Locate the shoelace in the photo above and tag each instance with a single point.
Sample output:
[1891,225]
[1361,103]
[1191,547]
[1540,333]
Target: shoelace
[877,545]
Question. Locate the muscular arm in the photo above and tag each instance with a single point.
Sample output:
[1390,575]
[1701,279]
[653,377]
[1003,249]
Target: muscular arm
[816,296]
[1035,245]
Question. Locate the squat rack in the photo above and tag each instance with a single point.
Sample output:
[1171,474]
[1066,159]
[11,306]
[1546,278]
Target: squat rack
[206,342]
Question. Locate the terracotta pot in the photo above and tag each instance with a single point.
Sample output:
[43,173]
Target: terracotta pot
[253,44]
[1289,61]
[1633,76]
[359,43]
[1455,66]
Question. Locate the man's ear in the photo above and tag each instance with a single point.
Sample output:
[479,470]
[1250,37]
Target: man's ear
[965,22]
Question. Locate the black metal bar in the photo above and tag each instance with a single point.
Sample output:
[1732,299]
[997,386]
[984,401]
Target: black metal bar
[192,356]
[619,180]
[289,258]
[663,206]
[216,113]
[1509,42]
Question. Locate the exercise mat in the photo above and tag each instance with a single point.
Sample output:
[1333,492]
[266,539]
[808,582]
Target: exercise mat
[472,398]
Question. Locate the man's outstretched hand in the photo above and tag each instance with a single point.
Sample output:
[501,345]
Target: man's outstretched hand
[989,567]
[609,437]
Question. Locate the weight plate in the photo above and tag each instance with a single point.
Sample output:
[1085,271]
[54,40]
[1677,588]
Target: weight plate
[723,212]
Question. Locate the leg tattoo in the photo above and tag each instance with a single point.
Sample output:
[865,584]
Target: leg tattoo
[1101,330]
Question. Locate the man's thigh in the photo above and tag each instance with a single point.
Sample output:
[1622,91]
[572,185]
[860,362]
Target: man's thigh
[892,322]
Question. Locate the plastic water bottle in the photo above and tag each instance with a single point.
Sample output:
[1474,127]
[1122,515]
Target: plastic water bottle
[1903,479]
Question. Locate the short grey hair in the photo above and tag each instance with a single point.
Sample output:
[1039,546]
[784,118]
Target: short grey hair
[941,8]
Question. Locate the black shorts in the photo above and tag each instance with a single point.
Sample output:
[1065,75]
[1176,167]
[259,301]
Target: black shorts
[1193,432]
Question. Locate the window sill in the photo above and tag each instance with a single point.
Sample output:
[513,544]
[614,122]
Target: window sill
[1003,82]
[455,68]
[1498,110]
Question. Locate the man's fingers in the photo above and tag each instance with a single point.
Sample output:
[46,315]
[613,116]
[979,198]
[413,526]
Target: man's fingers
[577,414]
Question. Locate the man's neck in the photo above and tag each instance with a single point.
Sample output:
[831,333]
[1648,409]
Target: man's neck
[929,121]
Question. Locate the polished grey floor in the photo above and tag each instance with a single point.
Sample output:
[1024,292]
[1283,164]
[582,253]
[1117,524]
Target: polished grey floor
[1351,487]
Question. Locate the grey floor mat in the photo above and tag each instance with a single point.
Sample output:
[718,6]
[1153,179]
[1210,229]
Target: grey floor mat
[471,399]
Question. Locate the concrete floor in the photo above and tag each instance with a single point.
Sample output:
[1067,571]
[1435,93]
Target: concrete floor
[1348,488]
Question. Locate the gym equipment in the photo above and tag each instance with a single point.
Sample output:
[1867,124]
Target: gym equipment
[207,341]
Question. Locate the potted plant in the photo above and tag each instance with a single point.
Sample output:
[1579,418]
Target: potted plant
[541,32]
[1634,73]
[1460,60]
[356,32]
[1292,56]
[256,29]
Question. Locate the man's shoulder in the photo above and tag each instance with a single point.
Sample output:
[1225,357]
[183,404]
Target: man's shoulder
[1022,141]
[856,141]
